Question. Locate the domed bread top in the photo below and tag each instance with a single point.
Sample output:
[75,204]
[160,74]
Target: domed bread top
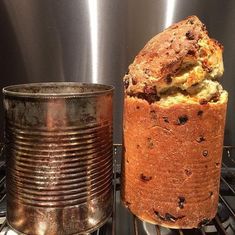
[180,57]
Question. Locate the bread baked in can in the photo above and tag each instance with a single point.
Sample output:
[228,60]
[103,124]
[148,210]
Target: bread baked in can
[174,117]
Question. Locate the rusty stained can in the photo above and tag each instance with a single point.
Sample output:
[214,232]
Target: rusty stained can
[59,157]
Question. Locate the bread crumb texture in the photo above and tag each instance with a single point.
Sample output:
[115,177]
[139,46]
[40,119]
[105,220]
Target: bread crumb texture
[181,64]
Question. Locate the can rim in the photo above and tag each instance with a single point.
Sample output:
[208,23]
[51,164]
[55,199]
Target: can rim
[29,90]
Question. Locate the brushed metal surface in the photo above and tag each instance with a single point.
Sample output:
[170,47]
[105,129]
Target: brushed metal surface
[58,157]
[91,40]
[95,40]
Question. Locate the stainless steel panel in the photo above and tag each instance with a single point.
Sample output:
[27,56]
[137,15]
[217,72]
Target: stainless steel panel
[95,40]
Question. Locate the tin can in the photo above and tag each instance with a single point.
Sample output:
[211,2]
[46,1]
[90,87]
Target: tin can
[58,140]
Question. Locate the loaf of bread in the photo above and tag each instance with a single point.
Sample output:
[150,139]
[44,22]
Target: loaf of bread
[174,117]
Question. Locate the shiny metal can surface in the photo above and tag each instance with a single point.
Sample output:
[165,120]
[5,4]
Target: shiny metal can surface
[58,140]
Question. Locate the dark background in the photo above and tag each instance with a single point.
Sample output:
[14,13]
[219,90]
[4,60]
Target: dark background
[95,40]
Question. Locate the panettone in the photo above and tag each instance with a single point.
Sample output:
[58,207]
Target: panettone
[174,117]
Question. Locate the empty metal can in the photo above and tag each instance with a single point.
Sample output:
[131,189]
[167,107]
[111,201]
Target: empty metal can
[59,157]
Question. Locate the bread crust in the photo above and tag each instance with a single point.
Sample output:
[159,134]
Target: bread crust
[172,161]
[164,56]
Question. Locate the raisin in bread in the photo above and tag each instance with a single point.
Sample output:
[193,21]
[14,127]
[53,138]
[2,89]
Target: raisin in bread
[174,117]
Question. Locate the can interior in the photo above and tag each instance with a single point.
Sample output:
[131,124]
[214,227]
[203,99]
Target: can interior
[56,89]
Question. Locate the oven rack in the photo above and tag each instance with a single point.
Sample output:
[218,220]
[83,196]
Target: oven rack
[122,222]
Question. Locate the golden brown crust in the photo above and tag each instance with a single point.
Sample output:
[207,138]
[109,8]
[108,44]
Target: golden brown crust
[172,159]
[181,46]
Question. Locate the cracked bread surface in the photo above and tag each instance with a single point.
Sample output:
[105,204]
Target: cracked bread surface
[174,117]
[180,57]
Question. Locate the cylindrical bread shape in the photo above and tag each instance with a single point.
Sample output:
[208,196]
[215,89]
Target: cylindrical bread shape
[174,118]
[172,161]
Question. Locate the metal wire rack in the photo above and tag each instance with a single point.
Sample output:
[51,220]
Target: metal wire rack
[123,222]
